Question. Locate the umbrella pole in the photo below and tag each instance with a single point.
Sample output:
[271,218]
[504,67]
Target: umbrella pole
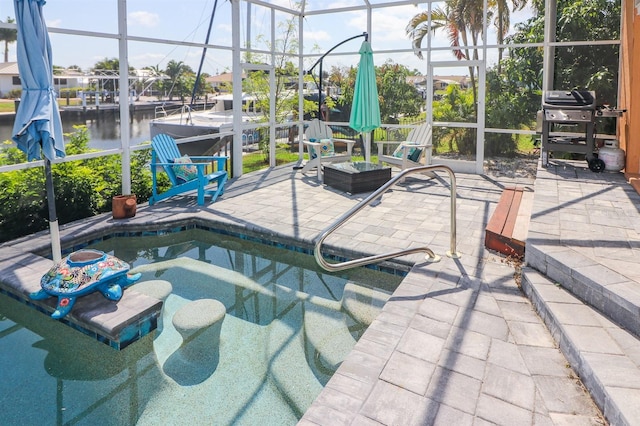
[56,250]
[367,147]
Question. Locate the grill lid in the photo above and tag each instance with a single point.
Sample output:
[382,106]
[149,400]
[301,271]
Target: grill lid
[569,99]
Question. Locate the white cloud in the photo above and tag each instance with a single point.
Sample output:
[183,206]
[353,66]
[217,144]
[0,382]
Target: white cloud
[388,24]
[287,4]
[146,59]
[144,19]
[54,23]
[339,4]
[317,36]
[225,27]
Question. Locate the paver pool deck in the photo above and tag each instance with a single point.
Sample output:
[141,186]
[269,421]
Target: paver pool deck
[475,340]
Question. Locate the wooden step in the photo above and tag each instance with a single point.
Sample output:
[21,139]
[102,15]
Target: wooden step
[634,180]
[507,229]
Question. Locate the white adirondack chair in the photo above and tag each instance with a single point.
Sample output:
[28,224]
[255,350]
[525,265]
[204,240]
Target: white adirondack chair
[409,153]
[320,144]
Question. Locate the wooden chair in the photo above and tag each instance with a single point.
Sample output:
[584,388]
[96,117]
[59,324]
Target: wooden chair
[409,153]
[185,173]
[320,143]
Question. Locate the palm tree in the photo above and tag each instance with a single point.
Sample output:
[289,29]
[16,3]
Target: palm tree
[107,65]
[502,21]
[155,72]
[174,70]
[108,68]
[462,21]
[8,36]
[417,27]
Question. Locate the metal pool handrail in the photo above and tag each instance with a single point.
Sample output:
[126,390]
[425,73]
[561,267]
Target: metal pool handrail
[431,256]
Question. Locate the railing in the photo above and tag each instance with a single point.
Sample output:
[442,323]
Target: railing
[115,151]
[184,111]
[430,257]
[160,111]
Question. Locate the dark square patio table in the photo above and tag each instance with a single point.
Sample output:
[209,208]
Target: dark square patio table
[356,177]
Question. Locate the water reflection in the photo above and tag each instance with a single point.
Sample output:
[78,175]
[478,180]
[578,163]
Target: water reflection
[104,128]
[289,326]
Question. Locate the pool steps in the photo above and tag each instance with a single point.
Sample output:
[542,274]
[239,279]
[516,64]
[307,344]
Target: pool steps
[117,324]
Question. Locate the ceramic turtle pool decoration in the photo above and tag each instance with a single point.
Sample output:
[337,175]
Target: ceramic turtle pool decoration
[81,273]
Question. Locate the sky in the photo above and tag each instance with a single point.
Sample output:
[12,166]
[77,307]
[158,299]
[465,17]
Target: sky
[188,21]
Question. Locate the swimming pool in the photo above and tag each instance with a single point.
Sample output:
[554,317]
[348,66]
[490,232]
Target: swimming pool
[288,326]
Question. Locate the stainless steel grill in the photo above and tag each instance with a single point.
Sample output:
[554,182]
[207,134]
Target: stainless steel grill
[568,123]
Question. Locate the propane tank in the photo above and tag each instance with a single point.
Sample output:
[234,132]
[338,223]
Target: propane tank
[612,156]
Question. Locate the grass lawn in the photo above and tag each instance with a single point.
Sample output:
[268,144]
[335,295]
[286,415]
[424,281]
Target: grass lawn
[8,105]
[258,160]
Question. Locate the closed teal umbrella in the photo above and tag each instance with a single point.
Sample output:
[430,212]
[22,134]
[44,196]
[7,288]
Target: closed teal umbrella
[38,129]
[365,110]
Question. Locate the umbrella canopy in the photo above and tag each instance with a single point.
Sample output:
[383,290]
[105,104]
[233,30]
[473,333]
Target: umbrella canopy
[365,110]
[38,129]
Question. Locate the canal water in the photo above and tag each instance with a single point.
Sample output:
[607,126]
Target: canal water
[103,127]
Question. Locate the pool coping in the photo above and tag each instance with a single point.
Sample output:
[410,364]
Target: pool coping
[135,315]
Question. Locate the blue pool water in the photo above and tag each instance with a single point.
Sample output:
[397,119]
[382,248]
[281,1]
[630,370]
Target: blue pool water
[287,328]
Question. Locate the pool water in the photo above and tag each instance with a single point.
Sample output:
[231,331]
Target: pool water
[288,327]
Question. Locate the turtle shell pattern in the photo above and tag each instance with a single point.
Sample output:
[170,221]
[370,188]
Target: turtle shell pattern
[80,271]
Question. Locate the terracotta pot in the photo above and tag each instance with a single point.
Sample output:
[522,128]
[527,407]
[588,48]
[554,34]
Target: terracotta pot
[124,206]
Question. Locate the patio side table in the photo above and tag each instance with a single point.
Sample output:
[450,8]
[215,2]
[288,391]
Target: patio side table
[356,177]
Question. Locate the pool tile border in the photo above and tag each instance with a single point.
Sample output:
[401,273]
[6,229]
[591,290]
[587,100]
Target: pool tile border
[388,268]
[140,326]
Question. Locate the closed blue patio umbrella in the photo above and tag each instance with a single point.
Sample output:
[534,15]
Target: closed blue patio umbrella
[365,110]
[38,129]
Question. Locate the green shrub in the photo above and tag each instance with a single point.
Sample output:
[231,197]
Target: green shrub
[71,92]
[14,94]
[82,188]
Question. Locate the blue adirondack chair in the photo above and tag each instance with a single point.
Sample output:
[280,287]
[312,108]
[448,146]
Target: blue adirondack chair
[185,173]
